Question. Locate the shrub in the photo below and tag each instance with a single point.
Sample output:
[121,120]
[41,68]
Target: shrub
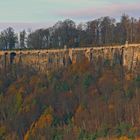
[87,80]
[122,129]
[137,81]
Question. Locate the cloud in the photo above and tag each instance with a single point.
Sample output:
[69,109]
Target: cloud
[43,12]
[112,9]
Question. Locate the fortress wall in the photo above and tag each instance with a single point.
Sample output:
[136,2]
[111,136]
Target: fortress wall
[131,56]
[45,60]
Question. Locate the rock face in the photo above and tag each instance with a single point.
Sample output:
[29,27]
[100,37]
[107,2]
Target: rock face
[45,60]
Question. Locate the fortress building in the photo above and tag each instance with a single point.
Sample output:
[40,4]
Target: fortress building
[127,55]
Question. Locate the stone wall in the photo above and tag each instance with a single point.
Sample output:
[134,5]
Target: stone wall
[45,60]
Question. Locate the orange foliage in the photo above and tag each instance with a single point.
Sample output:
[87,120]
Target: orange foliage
[129,77]
[124,138]
[111,107]
[49,118]
[80,67]
[12,89]
[34,81]
[45,120]
[27,135]
[79,109]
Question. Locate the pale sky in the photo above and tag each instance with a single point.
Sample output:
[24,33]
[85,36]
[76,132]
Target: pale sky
[44,13]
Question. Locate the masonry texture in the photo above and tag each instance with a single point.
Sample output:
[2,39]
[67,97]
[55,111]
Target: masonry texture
[44,60]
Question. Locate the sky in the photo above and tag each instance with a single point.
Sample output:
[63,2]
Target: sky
[35,14]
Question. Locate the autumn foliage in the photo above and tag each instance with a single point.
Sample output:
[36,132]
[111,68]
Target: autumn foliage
[83,101]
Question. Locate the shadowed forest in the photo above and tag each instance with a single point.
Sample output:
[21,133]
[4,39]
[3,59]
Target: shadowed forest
[83,101]
[98,32]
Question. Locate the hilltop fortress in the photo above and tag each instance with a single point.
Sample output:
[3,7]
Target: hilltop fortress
[127,55]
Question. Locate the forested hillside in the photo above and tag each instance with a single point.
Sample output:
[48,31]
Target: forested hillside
[78,102]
